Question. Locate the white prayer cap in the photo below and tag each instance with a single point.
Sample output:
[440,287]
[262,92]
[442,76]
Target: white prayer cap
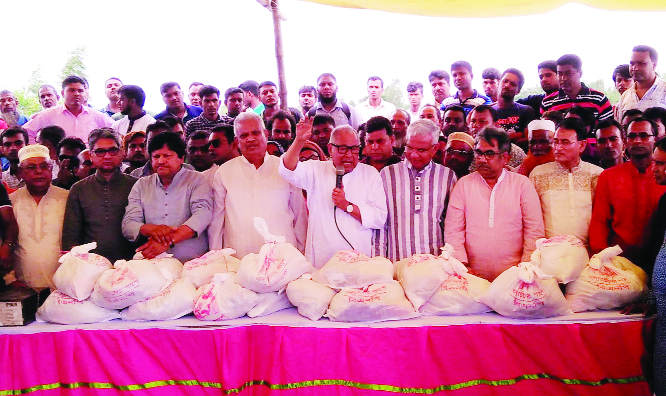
[460,137]
[546,125]
[33,151]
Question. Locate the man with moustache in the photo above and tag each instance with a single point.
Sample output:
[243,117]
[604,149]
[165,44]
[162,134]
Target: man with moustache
[648,90]
[9,109]
[379,139]
[400,120]
[459,153]
[282,128]
[328,104]
[111,89]
[491,78]
[173,97]
[222,147]
[610,143]
[210,102]
[197,151]
[135,151]
[540,135]
[549,83]
[439,81]
[48,96]
[132,99]
[454,120]
[194,96]
[511,116]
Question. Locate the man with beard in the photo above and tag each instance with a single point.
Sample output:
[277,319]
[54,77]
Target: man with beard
[466,97]
[328,104]
[282,128]
[610,143]
[135,151]
[627,196]
[459,153]
[9,109]
[491,78]
[379,139]
[454,120]
[648,90]
[307,97]
[322,127]
[233,99]
[132,99]
[494,216]
[268,95]
[195,98]
[48,96]
[96,205]
[540,134]
[13,139]
[573,93]
[112,87]
[549,83]
[173,97]
[210,102]
[415,96]
[511,116]
[439,81]
[400,120]
[197,151]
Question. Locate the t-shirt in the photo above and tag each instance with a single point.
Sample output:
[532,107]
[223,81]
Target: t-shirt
[515,117]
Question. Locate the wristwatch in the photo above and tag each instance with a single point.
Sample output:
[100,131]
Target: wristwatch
[350,208]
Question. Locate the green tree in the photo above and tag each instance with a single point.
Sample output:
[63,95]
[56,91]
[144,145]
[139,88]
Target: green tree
[610,91]
[75,64]
[393,94]
[28,103]
[36,81]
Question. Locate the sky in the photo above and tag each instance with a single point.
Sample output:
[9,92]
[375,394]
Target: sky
[224,43]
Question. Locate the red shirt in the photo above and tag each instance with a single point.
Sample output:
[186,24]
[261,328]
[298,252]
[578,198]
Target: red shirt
[624,203]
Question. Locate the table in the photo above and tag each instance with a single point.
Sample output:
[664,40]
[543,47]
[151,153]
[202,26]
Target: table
[594,353]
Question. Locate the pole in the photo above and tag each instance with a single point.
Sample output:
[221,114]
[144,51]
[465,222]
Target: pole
[279,54]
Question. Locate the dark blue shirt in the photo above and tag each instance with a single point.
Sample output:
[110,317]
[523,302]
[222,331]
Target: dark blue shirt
[192,112]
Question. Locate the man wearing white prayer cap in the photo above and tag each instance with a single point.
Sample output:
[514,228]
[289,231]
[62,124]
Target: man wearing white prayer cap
[540,134]
[39,208]
[459,153]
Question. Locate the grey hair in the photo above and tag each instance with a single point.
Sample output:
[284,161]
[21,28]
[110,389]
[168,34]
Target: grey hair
[103,133]
[423,127]
[492,135]
[8,92]
[248,115]
[340,130]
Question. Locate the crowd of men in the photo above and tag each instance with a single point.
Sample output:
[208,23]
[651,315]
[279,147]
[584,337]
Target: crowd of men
[485,172]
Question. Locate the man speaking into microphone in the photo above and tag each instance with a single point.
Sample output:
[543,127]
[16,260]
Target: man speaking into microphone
[346,199]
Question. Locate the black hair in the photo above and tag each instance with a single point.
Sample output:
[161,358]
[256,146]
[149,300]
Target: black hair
[327,75]
[439,74]
[73,80]
[623,71]
[307,88]
[632,113]
[463,64]
[199,135]
[491,73]
[231,91]
[553,115]
[586,116]
[159,124]
[654,114]
[377,124]
[72,143]
[94,136]
[208,90]
[490,134]
[226,129]
[484,108]
[571,60]
[13,131]
[133,92]
[549,64]
[167,86]
[414,86]
[376,78]
[645,48]
[267,83]
[170,139]
[250,86]
[518,73]
[610,123]
[173,121]
[282,115]
[320,119]
[454,107]
[52,133]
[576,125]
[653,125]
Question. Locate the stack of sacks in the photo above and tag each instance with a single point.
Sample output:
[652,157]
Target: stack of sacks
[609,281]
[201,270]
[368,292]
[75,278]
[563,256]
[270,271]
[455,290]
[525,292]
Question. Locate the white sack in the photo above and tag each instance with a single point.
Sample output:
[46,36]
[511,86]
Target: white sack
[375,303]
[175,301]
[311,298]
[223,299]
[128,283]
[201,269]
[63,309]
[563,256]
[79,270]
[349,268]
[270,303]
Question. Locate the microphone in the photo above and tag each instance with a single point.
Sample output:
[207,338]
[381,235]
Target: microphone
[339,172]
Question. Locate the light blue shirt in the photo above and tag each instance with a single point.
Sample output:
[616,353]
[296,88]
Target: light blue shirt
[188,200]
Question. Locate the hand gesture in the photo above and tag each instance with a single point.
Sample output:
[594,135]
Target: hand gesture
[339,198]
[64,174]
[159,232]
[152,248]
[304,129]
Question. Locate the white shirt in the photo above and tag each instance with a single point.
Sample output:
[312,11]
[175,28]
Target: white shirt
[654,97]
[566,197]
[40,234]
[243,192]
[209,174]
[367,112]
[363,187]
[140,124]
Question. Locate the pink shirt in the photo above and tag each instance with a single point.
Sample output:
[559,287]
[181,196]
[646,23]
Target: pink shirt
[493,229]
[74,126]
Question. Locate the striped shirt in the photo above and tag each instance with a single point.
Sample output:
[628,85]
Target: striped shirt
[201,123]
[468,104]
[587,98]
[416,202]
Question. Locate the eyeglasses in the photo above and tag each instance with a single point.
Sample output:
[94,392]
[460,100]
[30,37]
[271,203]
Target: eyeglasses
[102,152]
[563,143]
[611,139]
[194,149]
[462,153]
[44,166]
[342,149]
[641,136]
[418,150]
[488,155]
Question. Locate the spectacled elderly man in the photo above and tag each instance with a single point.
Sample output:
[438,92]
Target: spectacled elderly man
[342,216]
[172,207]
[494,216]
[249,186]
[39,208]
[417,192]
[96,204]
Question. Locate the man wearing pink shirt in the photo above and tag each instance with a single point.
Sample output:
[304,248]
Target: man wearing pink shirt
[494,216]
[77,119]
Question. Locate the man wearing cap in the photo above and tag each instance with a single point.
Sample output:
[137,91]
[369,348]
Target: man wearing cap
[540,134]
[566,186]
[39,208]
[459,153]
[417,194]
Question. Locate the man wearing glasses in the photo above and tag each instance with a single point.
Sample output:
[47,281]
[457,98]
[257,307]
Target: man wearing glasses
[494,216]
[627,196]
[39,208]
[342,217]
[566,186]
[96,204]
[417,192]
